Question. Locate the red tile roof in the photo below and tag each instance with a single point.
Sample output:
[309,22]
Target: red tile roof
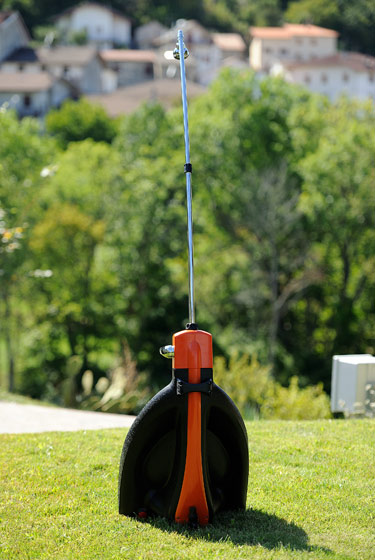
[290,30]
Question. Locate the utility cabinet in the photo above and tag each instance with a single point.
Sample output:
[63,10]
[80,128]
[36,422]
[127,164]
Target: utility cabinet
[353,384]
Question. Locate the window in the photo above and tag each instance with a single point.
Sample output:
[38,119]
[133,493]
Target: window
[65,69]
[149,69]
[298,40]
[307,79]
[371,77]
[26,100]
[313,42]
[345,78]
[20,67]
[268,50]
[324,78]
[283,52]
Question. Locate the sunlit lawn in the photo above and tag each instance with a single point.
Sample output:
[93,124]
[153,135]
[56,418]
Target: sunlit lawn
[311,495]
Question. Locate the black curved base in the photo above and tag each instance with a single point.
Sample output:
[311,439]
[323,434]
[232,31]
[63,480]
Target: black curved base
[153,456]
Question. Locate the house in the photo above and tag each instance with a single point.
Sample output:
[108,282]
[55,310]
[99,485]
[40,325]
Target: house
[231,51]
[146,34]
[13,33]
[205,58]
[347,73]
[125,100]
[290,43]
[32,94]
[207,50]
[22,59]
[80,66]
[131,66]
[103,25]
[230,45]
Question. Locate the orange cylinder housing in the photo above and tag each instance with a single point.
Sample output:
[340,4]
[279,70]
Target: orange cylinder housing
[192,352]
[186,455]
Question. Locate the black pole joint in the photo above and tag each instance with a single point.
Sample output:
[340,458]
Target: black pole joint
[188,168]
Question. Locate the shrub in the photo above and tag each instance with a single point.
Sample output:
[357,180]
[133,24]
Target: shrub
[125,390]
[293,403]
[245,381]
[78,120]
[257,394]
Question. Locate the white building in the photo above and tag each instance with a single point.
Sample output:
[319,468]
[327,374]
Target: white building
[146,34]
[349,73]
[230,45]
[80,66]
[130,66]
[103,25]
[290,43]
[13,33]
[201,65]
[208,50]
[32,94]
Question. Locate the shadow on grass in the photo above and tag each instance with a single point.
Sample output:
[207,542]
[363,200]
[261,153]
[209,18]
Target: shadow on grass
[250,527]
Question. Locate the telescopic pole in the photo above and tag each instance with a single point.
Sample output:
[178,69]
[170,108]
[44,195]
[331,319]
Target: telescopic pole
[180,54]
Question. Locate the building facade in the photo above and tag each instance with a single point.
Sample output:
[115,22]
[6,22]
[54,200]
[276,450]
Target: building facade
[290,43]
[103,25]
[13,33]
[32,94]
[345,73]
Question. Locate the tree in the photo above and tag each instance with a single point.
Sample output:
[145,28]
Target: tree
[79,120]
[64,243]
[338,201]
[23,153]
[74,313]
[148,230]
[247,187]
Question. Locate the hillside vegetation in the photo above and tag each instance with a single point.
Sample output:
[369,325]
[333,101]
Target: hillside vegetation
[353,20]
[93,239]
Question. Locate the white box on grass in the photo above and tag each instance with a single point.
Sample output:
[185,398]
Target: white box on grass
[353,384]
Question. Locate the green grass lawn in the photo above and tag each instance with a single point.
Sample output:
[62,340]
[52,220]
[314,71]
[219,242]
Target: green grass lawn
[21,399]
[311,495]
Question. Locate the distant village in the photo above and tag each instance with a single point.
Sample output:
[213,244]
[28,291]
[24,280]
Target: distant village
[119,67]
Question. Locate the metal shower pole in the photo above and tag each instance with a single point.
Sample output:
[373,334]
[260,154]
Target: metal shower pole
[180,54]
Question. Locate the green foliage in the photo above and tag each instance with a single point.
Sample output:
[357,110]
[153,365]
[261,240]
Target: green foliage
[257,394]
[245,380]
[78,37]
[23,152]
[47,34]
[338,201]
[78,120]
[284,243]
[124,391]
[293,403]
[353,20]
